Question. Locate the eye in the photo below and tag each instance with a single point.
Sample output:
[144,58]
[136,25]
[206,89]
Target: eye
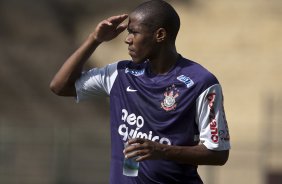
[130,31]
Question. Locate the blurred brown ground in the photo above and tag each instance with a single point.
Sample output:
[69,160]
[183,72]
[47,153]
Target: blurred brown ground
[45,139]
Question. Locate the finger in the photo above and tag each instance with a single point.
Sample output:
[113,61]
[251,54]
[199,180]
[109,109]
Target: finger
[131,154]
[117,19]
[106,22]
[142,158]
[121,28]
[131,148]
[137,153]
[136,140]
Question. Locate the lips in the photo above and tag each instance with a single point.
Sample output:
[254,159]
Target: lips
[131,51]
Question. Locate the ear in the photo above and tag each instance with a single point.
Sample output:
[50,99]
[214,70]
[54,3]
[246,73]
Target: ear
[161,35]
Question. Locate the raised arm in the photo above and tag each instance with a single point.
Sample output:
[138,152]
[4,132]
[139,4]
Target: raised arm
[63,83]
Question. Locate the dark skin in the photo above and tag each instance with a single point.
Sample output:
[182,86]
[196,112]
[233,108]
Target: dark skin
[150,44]
[63,83]
[143,43]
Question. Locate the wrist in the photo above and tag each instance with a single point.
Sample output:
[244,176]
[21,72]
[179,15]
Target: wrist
[93,38]
[170,152]
[165,151]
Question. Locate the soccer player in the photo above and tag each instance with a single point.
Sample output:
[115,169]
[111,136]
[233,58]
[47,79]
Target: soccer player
[166,108]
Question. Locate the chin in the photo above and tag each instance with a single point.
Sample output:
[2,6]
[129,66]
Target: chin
[138,60]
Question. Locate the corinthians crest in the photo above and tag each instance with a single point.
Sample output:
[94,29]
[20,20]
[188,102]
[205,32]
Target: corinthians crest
[169,102]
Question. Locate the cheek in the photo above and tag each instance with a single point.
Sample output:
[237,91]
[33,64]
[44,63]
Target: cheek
[145,45]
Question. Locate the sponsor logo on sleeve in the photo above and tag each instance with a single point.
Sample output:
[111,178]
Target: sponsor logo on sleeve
[212,119]
[186,80]
[224,134]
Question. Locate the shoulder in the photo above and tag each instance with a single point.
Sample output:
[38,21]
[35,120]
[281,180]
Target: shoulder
[201,76]
[112,68]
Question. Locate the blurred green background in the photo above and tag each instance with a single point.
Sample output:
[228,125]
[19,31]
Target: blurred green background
[45,139]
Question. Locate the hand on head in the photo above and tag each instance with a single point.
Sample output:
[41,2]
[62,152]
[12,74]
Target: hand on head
[109,28]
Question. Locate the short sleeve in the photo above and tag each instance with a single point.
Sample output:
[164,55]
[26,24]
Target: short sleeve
[96,82]
[213,128]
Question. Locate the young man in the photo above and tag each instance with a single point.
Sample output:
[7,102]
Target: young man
[168,109]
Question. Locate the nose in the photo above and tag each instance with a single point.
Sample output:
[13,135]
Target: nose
[128,39]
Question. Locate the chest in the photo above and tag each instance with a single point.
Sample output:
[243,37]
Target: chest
[162,109]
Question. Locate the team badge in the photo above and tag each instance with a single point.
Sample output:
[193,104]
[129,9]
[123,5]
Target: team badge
[170,95]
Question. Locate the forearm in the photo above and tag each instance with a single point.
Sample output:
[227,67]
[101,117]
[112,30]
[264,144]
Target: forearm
[194,155]
[63,82]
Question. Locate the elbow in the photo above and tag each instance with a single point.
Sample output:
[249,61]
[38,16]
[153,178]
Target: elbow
[222,162]
[223,158]
[55,88]
[62,89]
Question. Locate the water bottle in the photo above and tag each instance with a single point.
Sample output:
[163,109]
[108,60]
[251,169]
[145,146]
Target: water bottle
[130,166]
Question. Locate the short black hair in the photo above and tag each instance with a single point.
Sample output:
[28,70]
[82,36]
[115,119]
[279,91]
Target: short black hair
[160,14]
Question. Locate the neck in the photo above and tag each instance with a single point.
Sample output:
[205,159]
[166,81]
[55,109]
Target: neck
[164,61]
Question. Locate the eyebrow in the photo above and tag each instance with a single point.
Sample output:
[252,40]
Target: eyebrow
[133,28]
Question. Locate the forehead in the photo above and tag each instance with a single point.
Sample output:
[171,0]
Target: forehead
[136,16]
[137,20]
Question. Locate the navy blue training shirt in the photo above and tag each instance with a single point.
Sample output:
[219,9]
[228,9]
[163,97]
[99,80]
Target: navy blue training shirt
[183,107]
